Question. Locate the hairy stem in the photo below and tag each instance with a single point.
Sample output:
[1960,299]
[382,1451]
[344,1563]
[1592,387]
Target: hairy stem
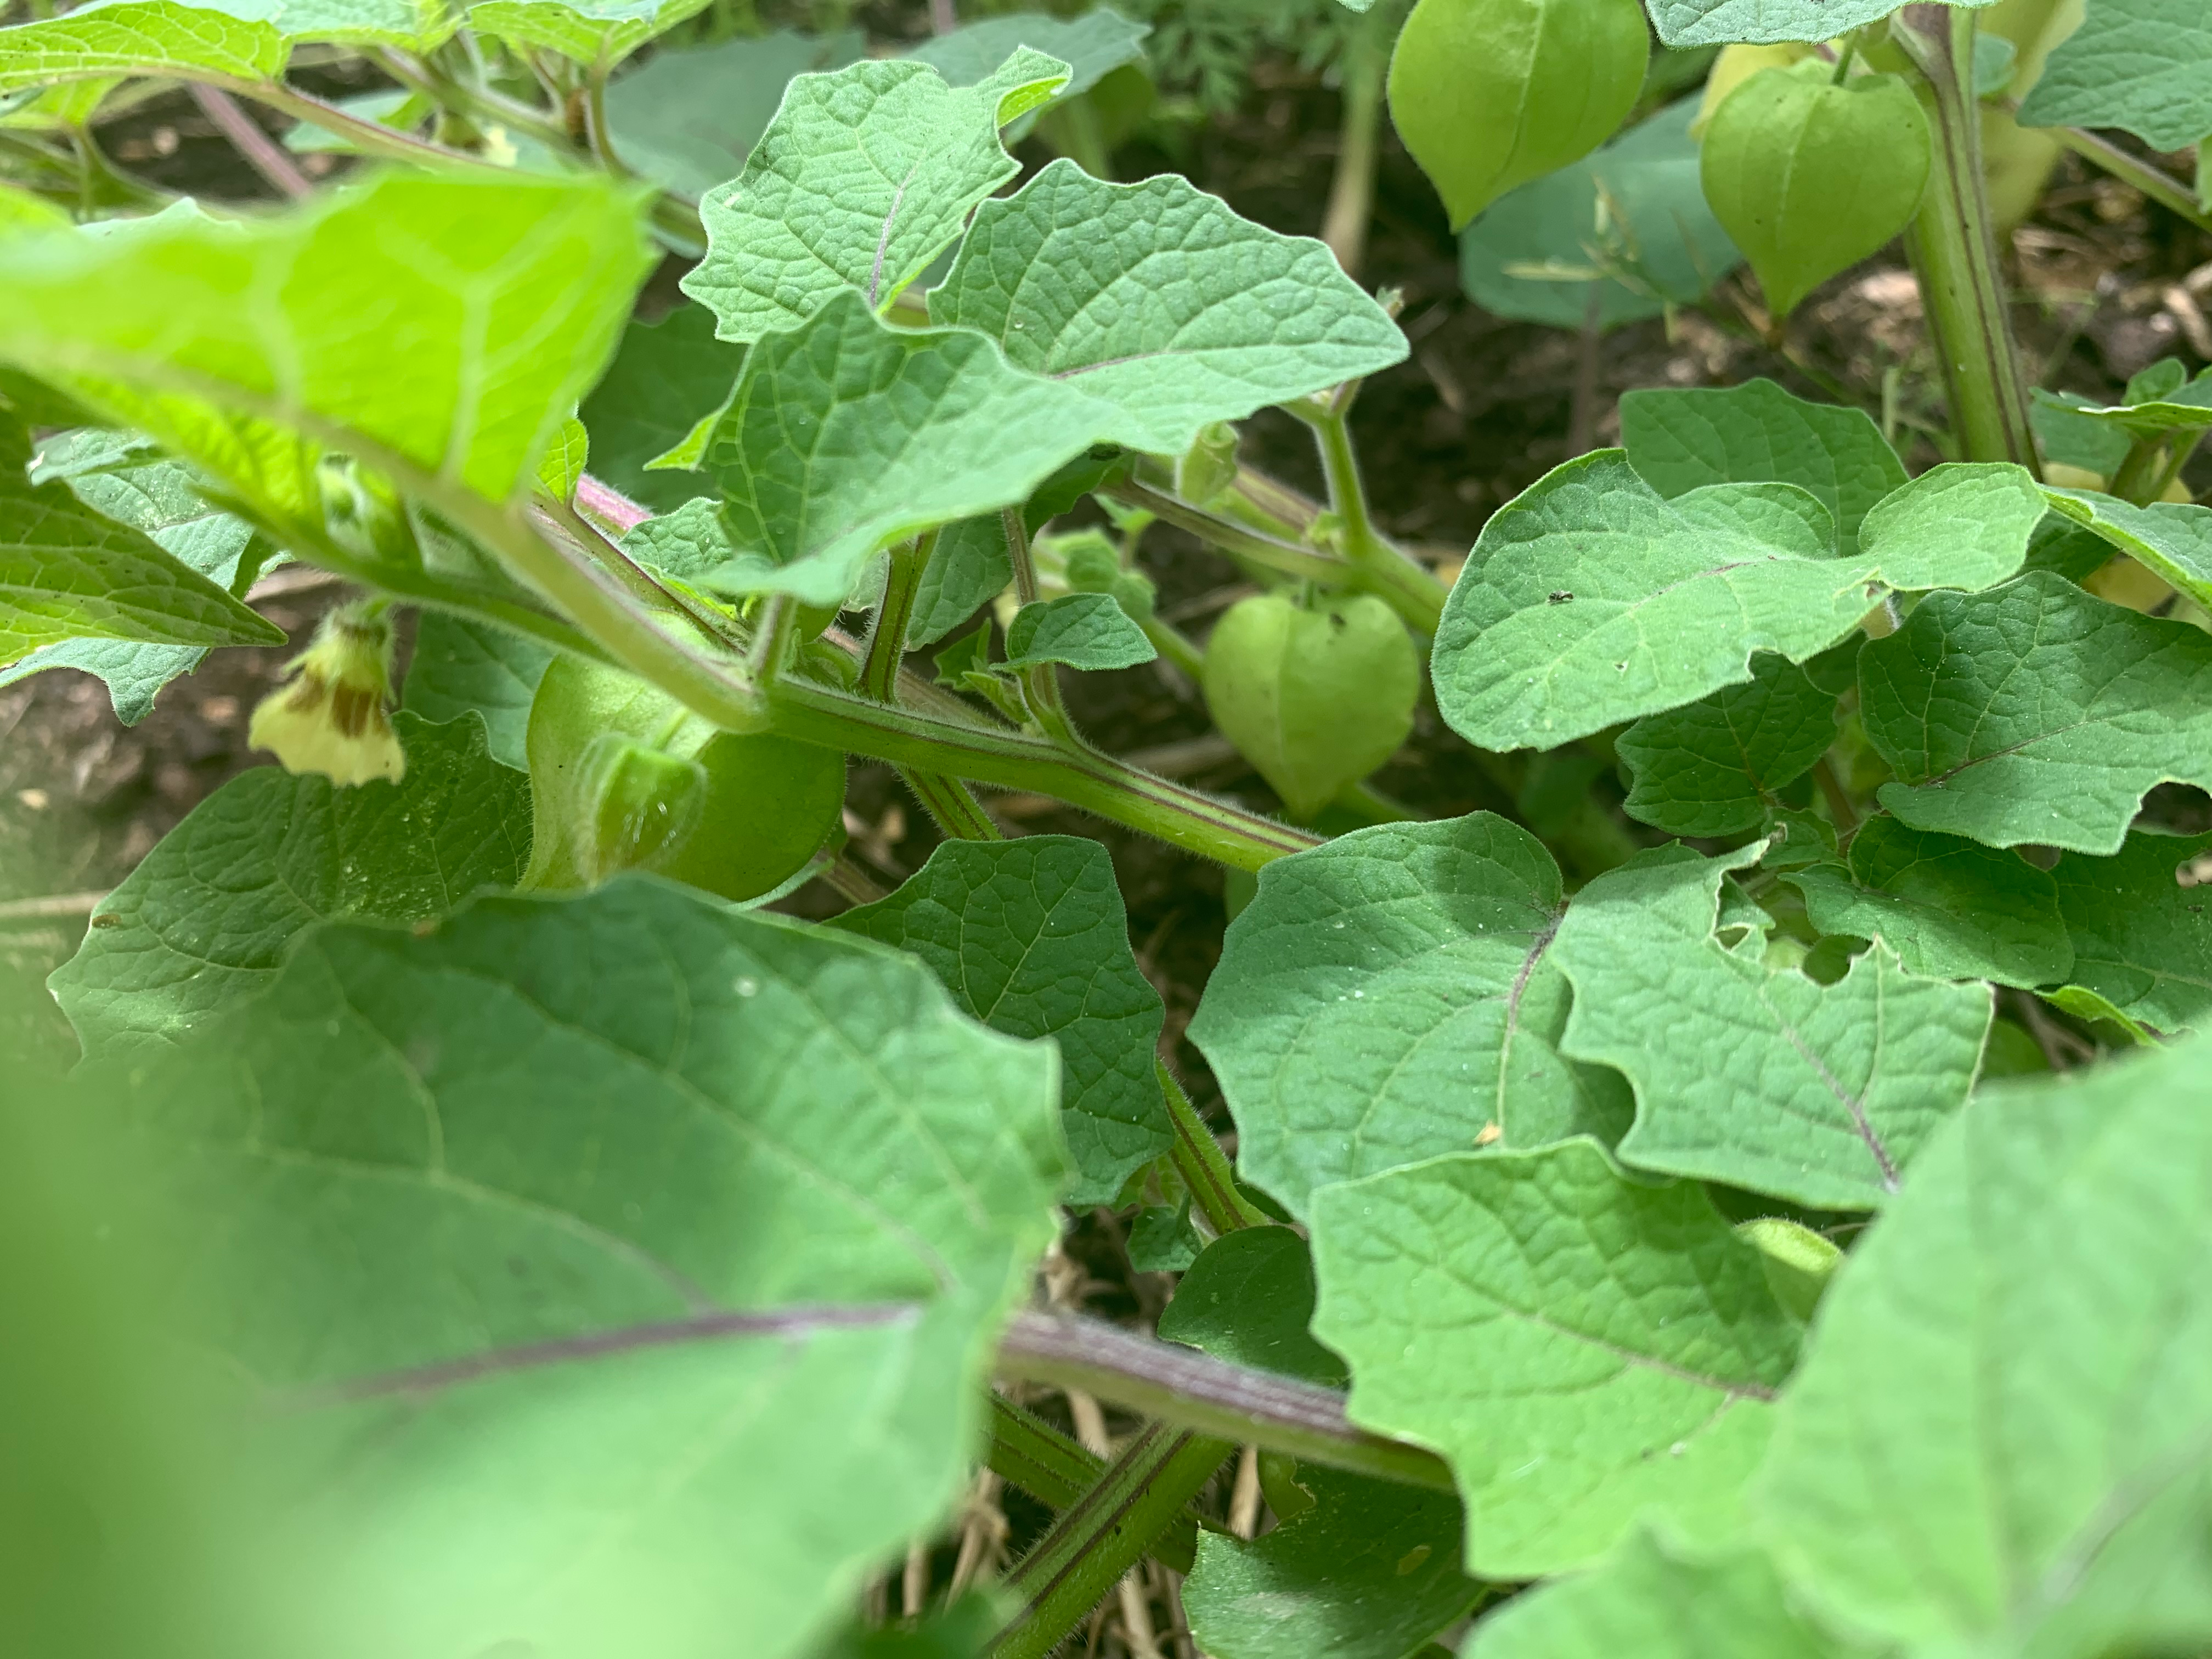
[1057,1471]
[1101,1536]
[1351,188]
[1204,1166]
[1179,1386]
[1954,247]
[1412,591]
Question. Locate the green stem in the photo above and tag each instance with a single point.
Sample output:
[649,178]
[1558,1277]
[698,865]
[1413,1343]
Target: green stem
[597,133]
[1181,1386]
[1411,590]
[370,137]
[1100,1538]
[1204,1166]
[1954,247]
[1057,1471]
[1040,684]
[1177,647]
[1351,189]
[947,800]
[2167,191]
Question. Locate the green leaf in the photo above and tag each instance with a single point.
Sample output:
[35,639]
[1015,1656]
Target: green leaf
[689,118]
[1155,297]
[1391,995]
[1030,938]
[1858,152]
[1711,768]
[413,25]
[969,566]
[2001,1433]
[2144,66]
[139,36]
[1162,1239]
[686,543]
[1590,599]
[69,572]
[1950,909]
[1583,1348]
[2140,939]
[596,32]
[157,497]
[564,462]
[847,434]
[2153,406]
[1757,433]
[1717,22]
[461,666]
[1248,1299]
[504,329]
[1370,1571]
[1082,630]
[1630,221]
[208,916]
[665,376]
[863,177]
[1093,47]
[2069,435]
[659,1229]
[2118,703]
[1648,1600]
[2169,538]
[1819,1094]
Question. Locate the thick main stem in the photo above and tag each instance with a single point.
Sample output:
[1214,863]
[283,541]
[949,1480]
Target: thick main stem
[1953,243]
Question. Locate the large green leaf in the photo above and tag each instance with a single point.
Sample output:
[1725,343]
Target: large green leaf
[1391,995]
[1648,1600]
[658,1230]
[460,665]
[1249,1298]
[1092,45]
[1629,224]
[139,36]
[596,32]
[2003,1428]
[157,497]
[1763,1078]
[206,919]
[847,434]
[864,177]
[70,572]
[1030,938]
[1592,599]
[690,118]
[2036,714]
[1757,433]
[2142,65]
[1711,23]
[2171,537]
[413,25]
[1711,768]
[2140,937]
[667,377]
[1157,298]
[1370,1571]
[247,346]
[1581,1347]
[1950,909]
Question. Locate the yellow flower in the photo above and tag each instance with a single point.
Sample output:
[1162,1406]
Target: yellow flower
[329,717]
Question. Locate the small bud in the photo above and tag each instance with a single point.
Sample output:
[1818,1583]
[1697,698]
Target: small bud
[1210,466]
[329,716]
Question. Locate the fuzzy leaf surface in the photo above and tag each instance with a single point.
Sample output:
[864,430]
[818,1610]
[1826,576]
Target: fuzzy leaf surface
[1719,22]
[1711,768]
[2036,714]
[411,25]
[1757,433]
[2144,66]
[461,666]
[505,297]
[2171,538]
[1647,1599]
[2140,937]
[1581,1347]
[2002,1429]
[139,36]
[1819,1094]
[1157,298]
[206,919]
[1388,996]
[1592,599]
[70,572]
[656,1226]
[1030,938]
[1950,909]
[865,176]
[1082,630]
[847,434]
[156,497]
[1369,1572]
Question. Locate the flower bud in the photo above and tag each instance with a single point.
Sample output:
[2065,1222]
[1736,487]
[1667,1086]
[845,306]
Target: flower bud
[329,716]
